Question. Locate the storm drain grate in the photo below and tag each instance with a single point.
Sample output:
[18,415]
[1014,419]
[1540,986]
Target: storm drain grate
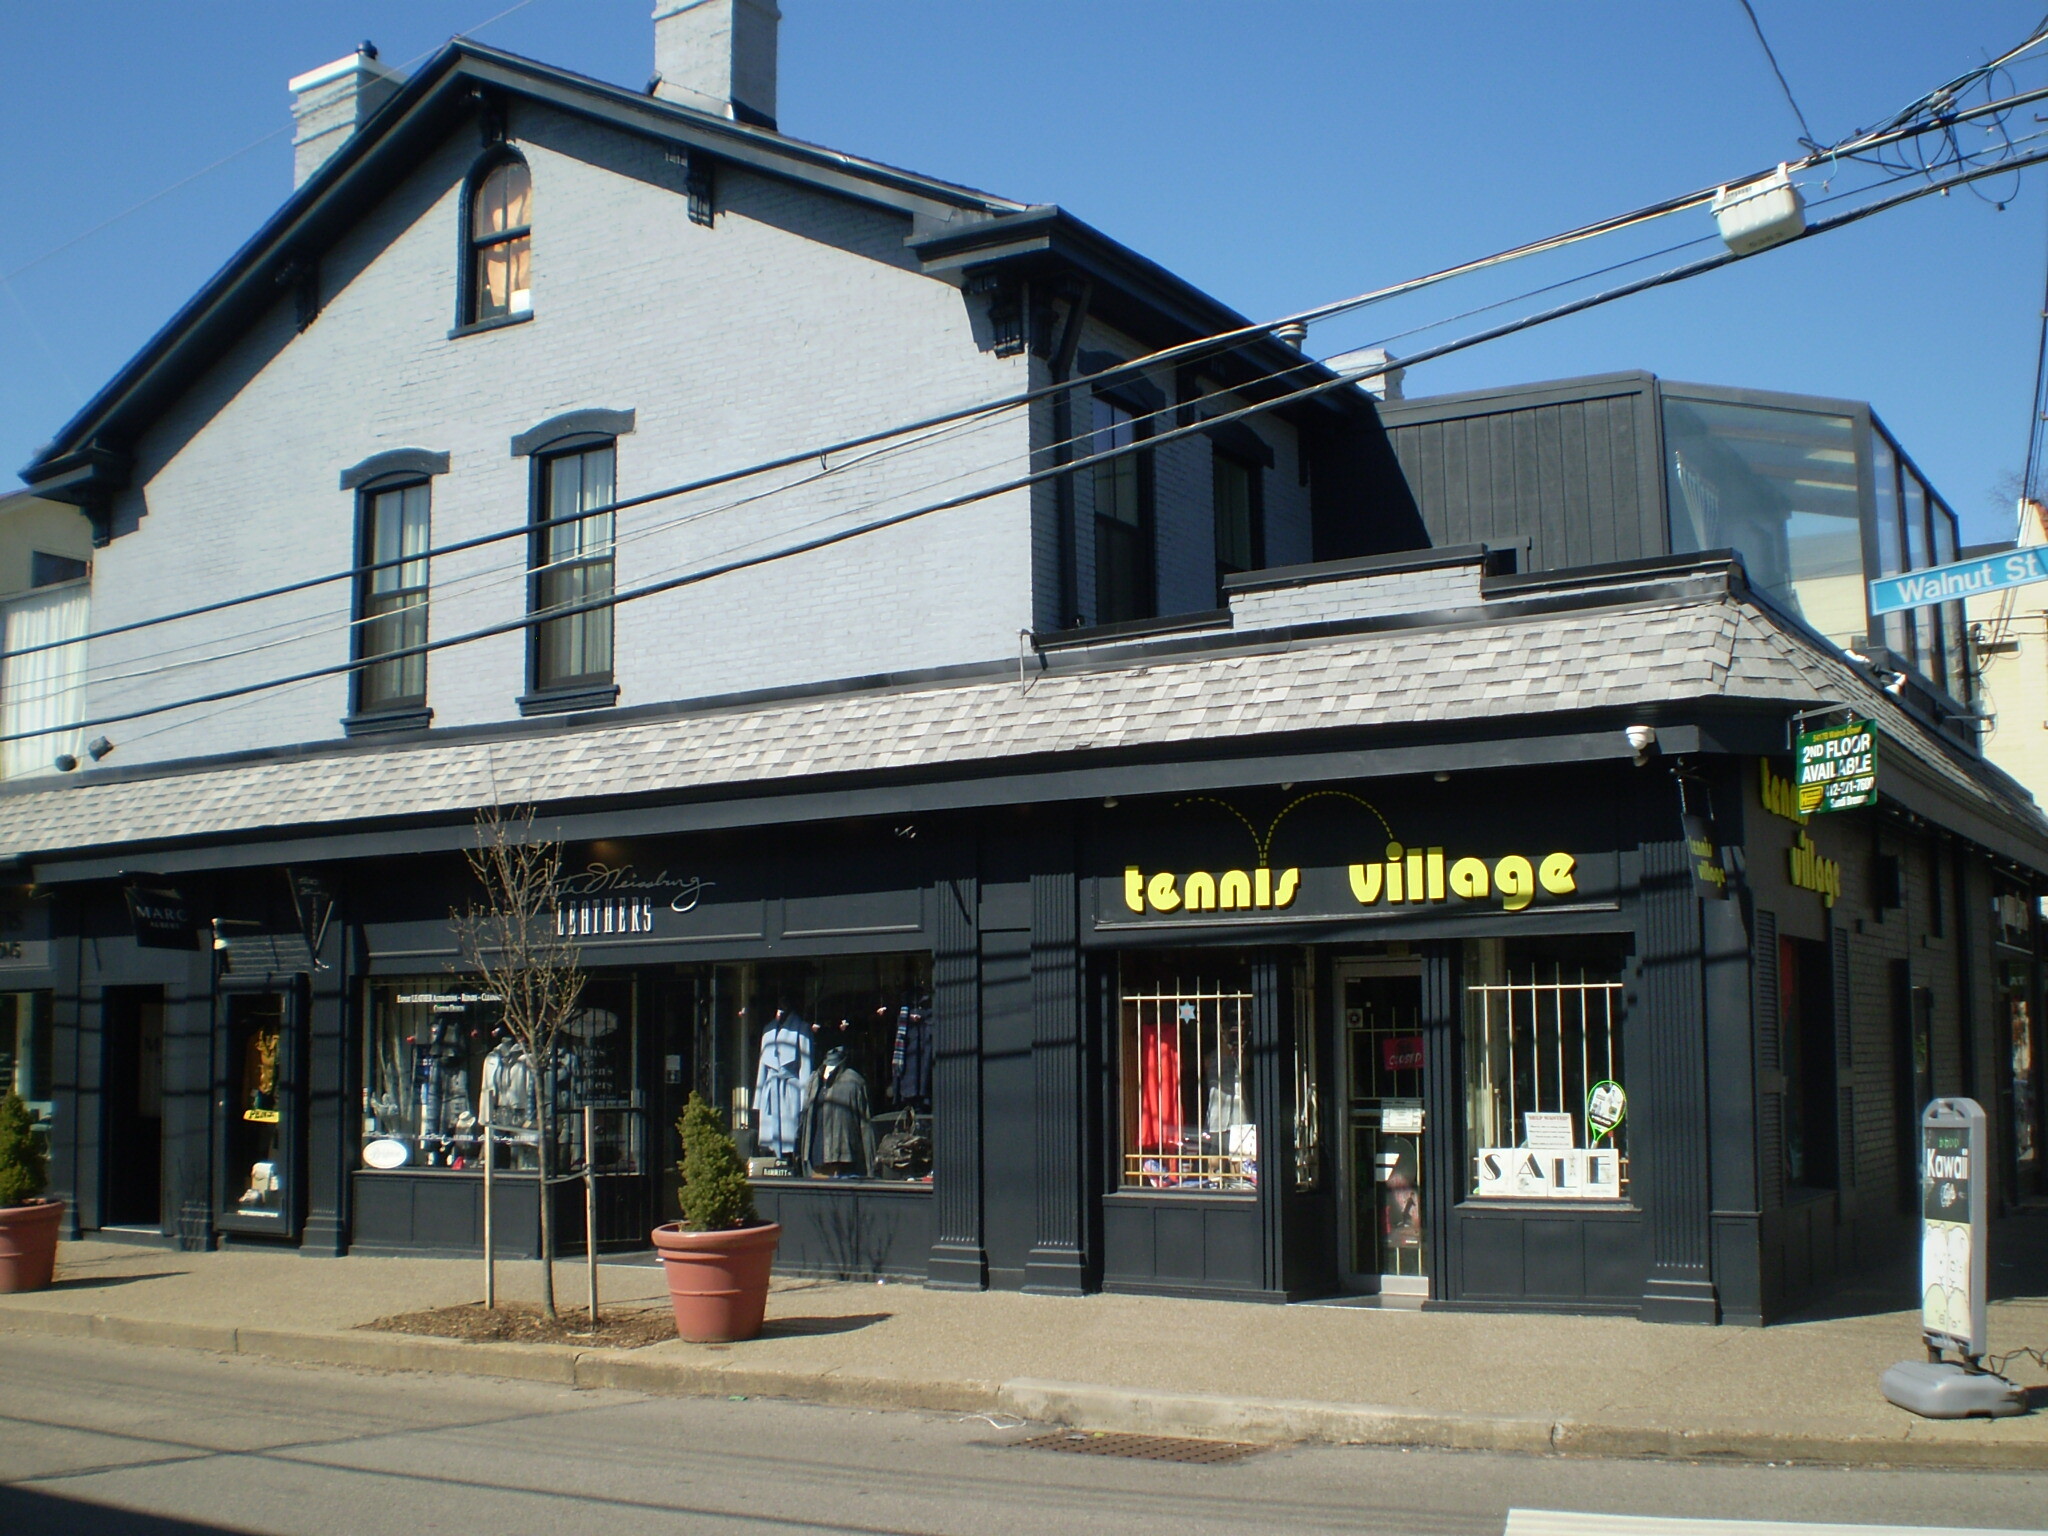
[1142,1447]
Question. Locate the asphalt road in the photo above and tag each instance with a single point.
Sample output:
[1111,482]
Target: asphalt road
[100,1439]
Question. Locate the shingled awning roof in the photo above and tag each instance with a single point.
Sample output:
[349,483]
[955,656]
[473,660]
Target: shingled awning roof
[1660,647]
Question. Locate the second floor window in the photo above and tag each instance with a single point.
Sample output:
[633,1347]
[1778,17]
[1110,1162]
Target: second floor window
[393,600]
[501,243]
[1235,492]
[573,565]
[1123,523]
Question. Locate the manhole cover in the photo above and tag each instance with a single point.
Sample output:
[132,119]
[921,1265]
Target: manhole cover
[1142,1447]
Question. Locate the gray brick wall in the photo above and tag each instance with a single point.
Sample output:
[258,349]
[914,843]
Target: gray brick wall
[797,319]
[1358,597]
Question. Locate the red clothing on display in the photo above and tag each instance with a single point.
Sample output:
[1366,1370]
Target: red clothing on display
[1158,1087]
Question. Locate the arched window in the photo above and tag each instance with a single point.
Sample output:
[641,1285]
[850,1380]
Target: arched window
[500,243]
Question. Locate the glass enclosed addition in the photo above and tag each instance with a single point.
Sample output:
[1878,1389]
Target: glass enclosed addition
[441,1063]
[1545,1087]
[824,1064]
[1184,1022]
[1778,487]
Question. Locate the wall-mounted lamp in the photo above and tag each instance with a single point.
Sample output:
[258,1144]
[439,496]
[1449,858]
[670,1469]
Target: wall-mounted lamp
[65,762]
[1640,739]
[1109,802]
[98,748]
[1442,776]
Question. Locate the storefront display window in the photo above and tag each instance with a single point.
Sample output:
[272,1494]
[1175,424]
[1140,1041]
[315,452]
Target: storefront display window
[2014,931]
[441,1063]
[25,1051]
[1183,1026]
[256,1044]
[1545,1102]
[826,1065]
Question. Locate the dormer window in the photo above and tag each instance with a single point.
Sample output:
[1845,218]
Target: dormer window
[500,244]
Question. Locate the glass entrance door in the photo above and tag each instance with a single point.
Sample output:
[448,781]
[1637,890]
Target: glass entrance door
[1386,1241]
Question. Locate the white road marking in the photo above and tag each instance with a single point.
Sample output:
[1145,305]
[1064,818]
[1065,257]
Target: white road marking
[1559,1522]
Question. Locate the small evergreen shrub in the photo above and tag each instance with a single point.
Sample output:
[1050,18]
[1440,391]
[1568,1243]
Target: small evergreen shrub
[715,1192]
[24,1170]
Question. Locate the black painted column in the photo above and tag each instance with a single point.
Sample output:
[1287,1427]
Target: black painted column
[1058,1264]
[959,1257]
[331,1130]
[1271,1096]
[188,1104]
[66,1021]
[1446,1175]
[1669,1139]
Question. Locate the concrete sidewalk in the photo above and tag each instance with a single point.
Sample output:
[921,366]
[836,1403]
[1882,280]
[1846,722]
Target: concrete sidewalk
[1600,1386]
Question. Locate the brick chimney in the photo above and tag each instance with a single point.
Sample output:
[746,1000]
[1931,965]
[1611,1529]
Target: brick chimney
[330,103]
[717,56]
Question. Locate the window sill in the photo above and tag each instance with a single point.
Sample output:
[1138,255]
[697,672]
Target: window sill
[378,721]
[1181,1196]
[804,1181]
[1524,1206]
[495,323]
[562,701]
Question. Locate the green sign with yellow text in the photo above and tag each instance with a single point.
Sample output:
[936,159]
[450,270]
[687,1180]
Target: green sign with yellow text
[1837,767]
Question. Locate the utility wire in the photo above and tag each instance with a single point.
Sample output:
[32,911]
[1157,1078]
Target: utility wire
[2037,430]
[1214,345]
[1306,392]
[1805,133]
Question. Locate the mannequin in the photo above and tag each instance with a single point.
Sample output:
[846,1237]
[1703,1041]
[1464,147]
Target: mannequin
[510,1102]
[781,1082]
[838,1141]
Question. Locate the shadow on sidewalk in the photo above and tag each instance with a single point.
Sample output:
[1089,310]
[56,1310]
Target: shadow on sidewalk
[100,1282]
[27,1512]
[813,1327]
[2018,1270]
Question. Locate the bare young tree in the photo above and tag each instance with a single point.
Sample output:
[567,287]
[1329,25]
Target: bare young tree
[512,937]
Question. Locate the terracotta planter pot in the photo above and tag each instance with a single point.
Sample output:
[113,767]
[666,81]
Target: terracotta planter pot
[28,1245]
[718,1281]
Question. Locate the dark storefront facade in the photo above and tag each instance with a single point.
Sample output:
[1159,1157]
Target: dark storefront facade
[1475,1035]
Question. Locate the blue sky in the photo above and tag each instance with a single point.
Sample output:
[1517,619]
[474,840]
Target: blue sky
[1276,152]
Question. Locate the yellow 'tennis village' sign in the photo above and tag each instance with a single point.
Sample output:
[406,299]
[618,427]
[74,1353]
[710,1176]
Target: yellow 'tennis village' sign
[1407,875]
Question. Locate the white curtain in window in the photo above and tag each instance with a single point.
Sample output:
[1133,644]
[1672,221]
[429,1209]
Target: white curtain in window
[42,689]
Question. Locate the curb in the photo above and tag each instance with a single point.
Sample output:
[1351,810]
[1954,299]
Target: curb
[1202,1415]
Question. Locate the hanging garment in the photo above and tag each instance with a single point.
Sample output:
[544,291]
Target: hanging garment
[1226,1100]
[1159,1126]
[509,1100]
[779,1083]
[836,1130]
[910,1061]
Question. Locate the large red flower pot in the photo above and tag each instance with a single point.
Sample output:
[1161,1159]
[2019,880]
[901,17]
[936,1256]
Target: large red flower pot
[28,1245]
[718,1281]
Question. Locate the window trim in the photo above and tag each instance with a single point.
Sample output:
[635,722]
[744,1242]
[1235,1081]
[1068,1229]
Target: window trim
[589,690]
[408,714]
[467,321]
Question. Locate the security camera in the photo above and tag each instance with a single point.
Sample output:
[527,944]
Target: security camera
[1640,739]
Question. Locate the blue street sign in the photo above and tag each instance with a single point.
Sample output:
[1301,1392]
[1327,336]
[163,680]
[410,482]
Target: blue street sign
[1966,578]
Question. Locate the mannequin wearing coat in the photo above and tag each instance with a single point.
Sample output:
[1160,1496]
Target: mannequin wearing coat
[837,1139]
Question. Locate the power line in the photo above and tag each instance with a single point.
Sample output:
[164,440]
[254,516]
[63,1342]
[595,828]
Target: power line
[651,589]
[1217,344]
[1806,133]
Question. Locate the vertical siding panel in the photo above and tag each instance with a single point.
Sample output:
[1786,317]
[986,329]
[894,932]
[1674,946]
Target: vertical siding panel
[1602,494]
[1546,504]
